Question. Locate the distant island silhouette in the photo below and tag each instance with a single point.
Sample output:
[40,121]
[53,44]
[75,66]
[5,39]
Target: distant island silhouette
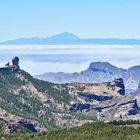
[69,38]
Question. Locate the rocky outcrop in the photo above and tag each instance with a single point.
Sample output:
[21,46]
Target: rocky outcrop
[93,96]
[20,126]
[14,67]
[15,62]
[119,83]
[12,123]
[28,125]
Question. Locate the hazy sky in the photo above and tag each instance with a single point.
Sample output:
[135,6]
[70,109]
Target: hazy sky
[85,18]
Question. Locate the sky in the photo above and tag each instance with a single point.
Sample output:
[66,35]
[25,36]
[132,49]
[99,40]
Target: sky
[85,18]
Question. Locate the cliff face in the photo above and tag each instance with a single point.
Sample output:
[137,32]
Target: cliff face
[106,101]
[43,105]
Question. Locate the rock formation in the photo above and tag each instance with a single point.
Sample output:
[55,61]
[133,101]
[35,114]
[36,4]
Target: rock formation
[7,64]
[8,68]
[15,62]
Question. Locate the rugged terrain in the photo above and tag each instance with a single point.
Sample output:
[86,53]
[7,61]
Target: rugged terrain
[29,105]
[98,72]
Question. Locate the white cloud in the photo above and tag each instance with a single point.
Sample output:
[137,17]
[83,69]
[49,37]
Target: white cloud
[38,59]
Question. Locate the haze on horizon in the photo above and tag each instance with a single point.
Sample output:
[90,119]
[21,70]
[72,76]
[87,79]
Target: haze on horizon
[69,58]
[86,19]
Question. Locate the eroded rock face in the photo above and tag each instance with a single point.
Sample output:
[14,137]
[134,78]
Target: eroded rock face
[107,101]
[119,83]
[27,124]
[18,127]
[112,110]
[91,97]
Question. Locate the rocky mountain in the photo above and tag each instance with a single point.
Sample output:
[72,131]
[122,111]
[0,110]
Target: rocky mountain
[31,105]
[97,72]
[69,38]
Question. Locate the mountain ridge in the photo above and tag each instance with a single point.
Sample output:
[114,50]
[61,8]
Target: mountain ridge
[69,38]
[97,72]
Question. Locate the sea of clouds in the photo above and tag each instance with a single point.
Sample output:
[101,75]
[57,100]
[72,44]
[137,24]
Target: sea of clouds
[37,59]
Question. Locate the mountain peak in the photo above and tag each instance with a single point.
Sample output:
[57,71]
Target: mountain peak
[70,38]
[65,35]
[101,66]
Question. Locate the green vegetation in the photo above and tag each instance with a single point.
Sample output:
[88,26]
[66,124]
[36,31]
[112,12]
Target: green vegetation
[89,131]
[51,89]
[84,116]
[1,125]
[18,101]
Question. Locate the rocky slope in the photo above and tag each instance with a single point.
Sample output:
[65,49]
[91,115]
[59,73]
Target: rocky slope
[97,72]
[28,104]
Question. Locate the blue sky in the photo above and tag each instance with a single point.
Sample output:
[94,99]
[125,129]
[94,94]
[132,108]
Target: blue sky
[85,18]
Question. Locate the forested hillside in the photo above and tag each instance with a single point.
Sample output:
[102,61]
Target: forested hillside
[93,131]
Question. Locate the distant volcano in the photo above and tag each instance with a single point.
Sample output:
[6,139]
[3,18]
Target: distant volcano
[69,38]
